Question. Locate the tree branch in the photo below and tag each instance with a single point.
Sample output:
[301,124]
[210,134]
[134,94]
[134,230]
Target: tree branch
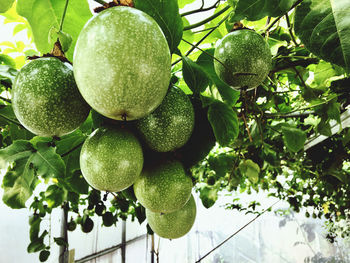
[201,9]
[72,150]
[100,2]
[207,19]
[293,64]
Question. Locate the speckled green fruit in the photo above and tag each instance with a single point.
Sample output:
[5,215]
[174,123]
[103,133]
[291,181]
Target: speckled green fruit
[170,126]
[241,52]
[122,63]
[46,99]
[175,224]
[163,187]
[111,159]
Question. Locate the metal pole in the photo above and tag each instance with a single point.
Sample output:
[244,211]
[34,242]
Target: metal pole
[63,256]
[123,240]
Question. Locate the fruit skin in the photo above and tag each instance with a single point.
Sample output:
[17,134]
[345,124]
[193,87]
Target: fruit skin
[46,100]
[242,51]
[163,187]
[170,126]
[175,224]
[122,63]
[111,159]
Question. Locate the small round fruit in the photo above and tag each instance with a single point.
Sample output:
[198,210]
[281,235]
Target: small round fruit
[46,99]
[175,224]
[111,159]
[170,126]
[245,59]
[108,219]
[163,187]
[87,225]
[122,63]
[72,225]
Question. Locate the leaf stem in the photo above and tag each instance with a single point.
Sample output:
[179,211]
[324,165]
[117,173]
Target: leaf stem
[64,15]
[201,9]
[291,31]
[202,39]
[207,19]
[72,150]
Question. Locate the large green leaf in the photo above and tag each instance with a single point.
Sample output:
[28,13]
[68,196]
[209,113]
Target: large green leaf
[294,138]
[166,13]
[194,76]
[23,162]
[182,3]
[43,15]
[18,182]
[250,169]
[256,9]
[324,27]
[208,195]
[5,5]
[206,61]
[224,122]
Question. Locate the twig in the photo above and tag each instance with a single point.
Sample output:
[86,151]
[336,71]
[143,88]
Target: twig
[202,39]
[247,128]
[5,99]
[201,9]
[290,30]
[207,19]
[72,150]
[278,18]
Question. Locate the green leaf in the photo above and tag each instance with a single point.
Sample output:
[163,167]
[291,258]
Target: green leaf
[256,9]
[18,182]
[60,241]
[5,5]
[194,76]
[324,128]
[48,162]
[221,164]
[224,122]
[37,244]
[333,111]
[206,61]
[323,26]
[182,3]
[23,162]
[294,138]
[43,15]
[166,13]
[44,255]
[55,196]
[34,229]
[250,169]
[208,195]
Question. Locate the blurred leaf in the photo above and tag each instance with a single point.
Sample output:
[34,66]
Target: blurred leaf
[256,9]
[5,5]
[182,3]
[294,138]
[43,15]
[250,169]
[224,122]
[60,241]
[208,196]
[55,196]
[323,26]
[44,255]
[166,13]
[37,244]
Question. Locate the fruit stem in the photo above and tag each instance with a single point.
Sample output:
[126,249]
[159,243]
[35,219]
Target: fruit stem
[64,15]
[207,19]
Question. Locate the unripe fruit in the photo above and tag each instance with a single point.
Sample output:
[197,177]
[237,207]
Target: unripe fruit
[175,224]
[170,126]
[245,59]
[111,159]
[46,99]
[122,63]
[163,187]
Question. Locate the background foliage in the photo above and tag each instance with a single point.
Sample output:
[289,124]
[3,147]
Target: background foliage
[259,135]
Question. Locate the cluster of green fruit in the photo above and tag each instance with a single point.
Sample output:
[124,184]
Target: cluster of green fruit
[122,69]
